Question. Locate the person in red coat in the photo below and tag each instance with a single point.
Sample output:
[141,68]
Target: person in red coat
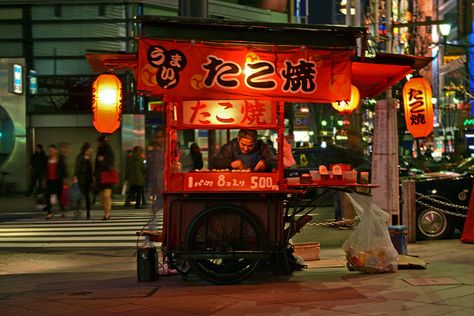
[55,173]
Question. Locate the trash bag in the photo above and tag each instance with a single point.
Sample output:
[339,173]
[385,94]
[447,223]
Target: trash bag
[369,248]
[53,199]
[64,198]
[74,193]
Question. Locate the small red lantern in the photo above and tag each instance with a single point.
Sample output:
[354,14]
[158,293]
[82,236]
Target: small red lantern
[107,103]
[418,106]
[347,106]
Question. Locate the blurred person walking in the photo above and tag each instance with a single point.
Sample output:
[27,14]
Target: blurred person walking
[155,163]
[128,192]
[83,175]
[38,163]
[55,173]
[104,162]
[135,175]
[64,151]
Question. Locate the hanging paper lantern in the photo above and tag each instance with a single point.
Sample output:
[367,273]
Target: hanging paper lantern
[107,103]
[347,106]
[418,106]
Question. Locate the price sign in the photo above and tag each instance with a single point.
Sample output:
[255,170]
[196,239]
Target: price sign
[230,181]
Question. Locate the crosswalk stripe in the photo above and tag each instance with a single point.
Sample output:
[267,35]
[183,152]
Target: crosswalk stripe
[119,232]
[71,245]
[71,229]
[53,225]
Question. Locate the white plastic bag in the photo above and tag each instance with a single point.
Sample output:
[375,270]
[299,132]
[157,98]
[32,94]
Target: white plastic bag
[369,248]
[124,187]
[53,199]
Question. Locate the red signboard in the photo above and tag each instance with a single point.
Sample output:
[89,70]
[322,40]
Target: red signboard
[230,181]
[196,71]
[227,114]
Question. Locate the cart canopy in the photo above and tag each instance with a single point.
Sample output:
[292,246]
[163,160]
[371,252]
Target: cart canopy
[207,59]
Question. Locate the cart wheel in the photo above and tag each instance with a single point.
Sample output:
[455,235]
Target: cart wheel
[224,229]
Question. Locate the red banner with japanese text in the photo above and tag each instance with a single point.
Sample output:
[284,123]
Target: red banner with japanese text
[196,71]
[228,114]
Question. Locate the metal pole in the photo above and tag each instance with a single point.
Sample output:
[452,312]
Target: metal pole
[348,12]
[376,18]
[409,209]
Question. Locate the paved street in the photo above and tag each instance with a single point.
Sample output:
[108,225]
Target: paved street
[28,228]
[74,232]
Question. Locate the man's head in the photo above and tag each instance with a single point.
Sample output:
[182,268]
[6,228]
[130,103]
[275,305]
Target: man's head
[102,139]
[247,139]
[159,138]
[52,150]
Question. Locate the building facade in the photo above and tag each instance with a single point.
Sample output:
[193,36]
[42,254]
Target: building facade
[50,40]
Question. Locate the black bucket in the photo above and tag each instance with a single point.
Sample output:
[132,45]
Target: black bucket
[146,264]
[398,235]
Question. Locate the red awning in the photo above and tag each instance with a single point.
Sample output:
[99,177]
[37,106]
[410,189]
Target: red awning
[375,75]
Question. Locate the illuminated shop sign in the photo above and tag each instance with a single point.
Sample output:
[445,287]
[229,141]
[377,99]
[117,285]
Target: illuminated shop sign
[196,71]
[16,79]
[228,113]
[33,82]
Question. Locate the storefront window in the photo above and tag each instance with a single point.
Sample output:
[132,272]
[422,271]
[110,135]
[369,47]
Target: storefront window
[7,136]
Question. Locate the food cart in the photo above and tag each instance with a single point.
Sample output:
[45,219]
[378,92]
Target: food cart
[225,224]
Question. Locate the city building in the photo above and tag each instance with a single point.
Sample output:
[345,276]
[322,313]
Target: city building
[46,79]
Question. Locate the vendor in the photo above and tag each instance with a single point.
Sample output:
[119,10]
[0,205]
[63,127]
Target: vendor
[245,152]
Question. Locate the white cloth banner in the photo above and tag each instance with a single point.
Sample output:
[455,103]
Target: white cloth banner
[385,157]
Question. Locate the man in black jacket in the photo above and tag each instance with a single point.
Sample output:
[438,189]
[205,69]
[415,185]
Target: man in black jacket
[38,163]
[245,152]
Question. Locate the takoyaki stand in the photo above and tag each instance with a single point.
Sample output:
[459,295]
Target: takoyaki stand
[215,75]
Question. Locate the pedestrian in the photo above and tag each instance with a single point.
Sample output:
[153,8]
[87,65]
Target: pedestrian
[270,144]
[196,157]
[63,152]
[155,163]
[55,173]
[135,175]
[128,192]
[104,161]
[38,163]
[83,175]
[288,159]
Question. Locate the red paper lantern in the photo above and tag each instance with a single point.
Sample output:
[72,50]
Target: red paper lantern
[418,106]
[107,103]
[347,106]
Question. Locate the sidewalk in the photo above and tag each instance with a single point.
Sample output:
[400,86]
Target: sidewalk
[105,283]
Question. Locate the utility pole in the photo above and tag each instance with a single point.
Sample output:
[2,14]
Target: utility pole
[193,8]
[385,153]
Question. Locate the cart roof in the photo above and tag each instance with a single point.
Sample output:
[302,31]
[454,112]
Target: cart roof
[371,75]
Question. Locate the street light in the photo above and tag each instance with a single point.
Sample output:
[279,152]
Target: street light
[444,29]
